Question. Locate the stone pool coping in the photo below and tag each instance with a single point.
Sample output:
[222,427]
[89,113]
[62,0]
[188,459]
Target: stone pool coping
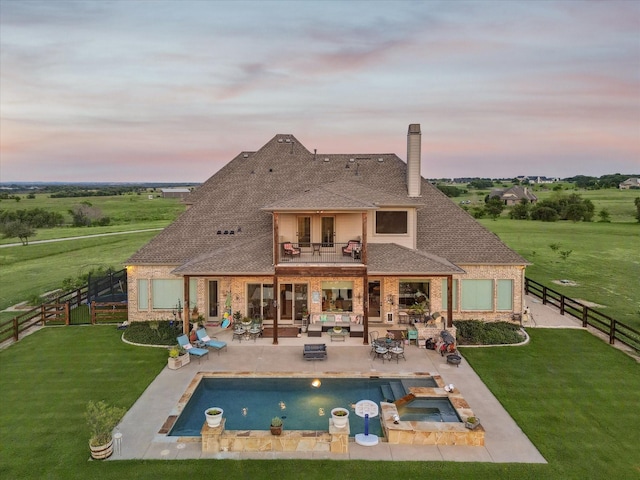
[334,440]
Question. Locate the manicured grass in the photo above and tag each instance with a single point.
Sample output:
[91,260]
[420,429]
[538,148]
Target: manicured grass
[36,269]
[604,260]
[572,394]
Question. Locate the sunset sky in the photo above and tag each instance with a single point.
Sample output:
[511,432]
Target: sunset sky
[170,91]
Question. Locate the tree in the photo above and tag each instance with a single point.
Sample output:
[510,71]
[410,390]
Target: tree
[18,229]
[494,207]
[520,211]
[604,216]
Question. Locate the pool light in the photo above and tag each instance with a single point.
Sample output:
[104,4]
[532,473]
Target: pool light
[316,383]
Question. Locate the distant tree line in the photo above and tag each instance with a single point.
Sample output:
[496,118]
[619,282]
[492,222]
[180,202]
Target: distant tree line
[561,207]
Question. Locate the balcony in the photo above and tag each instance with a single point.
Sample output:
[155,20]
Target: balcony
[324,253]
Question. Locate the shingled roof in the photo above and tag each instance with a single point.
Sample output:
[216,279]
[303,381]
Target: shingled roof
[284,175]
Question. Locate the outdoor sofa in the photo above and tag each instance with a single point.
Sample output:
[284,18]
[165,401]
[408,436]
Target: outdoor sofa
[326,321]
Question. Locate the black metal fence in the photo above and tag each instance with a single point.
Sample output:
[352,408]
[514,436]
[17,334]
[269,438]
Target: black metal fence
[615,329]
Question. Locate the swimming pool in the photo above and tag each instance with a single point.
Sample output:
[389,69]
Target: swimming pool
[251,403]
[428,410]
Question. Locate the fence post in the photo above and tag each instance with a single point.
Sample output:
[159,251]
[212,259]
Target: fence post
[93,312]
[561,304]
[42,314]
[585,316]
[612,332]
[544,295]
[67,314]
[15,328]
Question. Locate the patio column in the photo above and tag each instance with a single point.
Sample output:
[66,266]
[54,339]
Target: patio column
[276,298]
[185,308]
[449,301]
[365,308]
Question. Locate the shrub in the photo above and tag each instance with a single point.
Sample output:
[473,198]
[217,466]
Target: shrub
[477,332]
[160,332]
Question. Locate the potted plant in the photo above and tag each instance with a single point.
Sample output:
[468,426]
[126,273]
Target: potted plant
[195,314]
[213,416]
[276,426]
[419,309]
[178,357]
[102,418]
[340,417]
[472,423]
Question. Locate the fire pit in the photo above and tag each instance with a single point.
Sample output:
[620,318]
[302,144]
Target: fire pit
[454,359]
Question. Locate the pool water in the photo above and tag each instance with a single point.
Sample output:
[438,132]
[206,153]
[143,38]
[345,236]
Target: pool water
[251,403]
[428,410]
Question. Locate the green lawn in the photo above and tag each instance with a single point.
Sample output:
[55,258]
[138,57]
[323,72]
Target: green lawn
[604,260]
[36,269]
[572,394]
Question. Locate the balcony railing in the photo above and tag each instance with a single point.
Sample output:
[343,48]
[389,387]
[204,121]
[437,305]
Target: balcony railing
[312,252]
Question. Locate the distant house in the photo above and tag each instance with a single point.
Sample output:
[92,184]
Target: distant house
[308,236]
[630,183]
[513,195]
[175,192]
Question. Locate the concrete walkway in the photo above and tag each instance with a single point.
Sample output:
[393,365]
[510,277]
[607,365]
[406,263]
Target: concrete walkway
[504,441]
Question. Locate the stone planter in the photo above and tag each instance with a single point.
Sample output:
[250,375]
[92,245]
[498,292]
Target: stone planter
[340,417]
[178,362]
[472,425]
[213,420]
[100,452]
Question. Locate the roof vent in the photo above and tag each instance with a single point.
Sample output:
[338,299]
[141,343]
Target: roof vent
[326,159]
[246,155]
[219,232]
[380,159]
[279,140]
[352,160]
[231,232]
[288,140]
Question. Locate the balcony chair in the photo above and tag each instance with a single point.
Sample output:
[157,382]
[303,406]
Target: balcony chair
[289,250]
[351,247]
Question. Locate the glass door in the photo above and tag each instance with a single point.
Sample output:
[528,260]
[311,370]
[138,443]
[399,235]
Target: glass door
[293,302]
[374,301]
[304,231]
[213,299]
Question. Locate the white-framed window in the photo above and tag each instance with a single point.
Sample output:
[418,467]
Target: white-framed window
[477,295]
[337,296]
[454,294]
[143,294]
[504,290]
[168,293]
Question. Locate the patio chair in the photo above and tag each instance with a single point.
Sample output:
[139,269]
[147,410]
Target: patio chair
[183,341]
[351,246]
[397,351]
[290,250]
[217,345]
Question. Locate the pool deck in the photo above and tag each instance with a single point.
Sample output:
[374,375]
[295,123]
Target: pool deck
[504,440]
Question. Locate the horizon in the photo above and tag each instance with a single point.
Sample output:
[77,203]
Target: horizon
[174,90]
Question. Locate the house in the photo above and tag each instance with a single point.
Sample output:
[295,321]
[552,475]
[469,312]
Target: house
[630,183]
[513,195]
[175,192]
[283,232]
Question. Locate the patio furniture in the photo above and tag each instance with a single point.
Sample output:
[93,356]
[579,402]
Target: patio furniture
[348,250]
[380,351]
[289,250]
[183,341]
[207,341]
[397,351]
[314,351]
[338,335]
[238,334]
[454,359]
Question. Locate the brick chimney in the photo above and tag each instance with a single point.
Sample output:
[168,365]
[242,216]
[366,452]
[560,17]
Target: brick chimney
[414,179]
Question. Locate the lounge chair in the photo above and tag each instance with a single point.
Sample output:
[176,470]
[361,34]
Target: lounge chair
[183,341]
[210,342]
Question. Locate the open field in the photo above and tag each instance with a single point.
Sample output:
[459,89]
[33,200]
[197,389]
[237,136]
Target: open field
[577,409]
[121,209]
[604,261]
